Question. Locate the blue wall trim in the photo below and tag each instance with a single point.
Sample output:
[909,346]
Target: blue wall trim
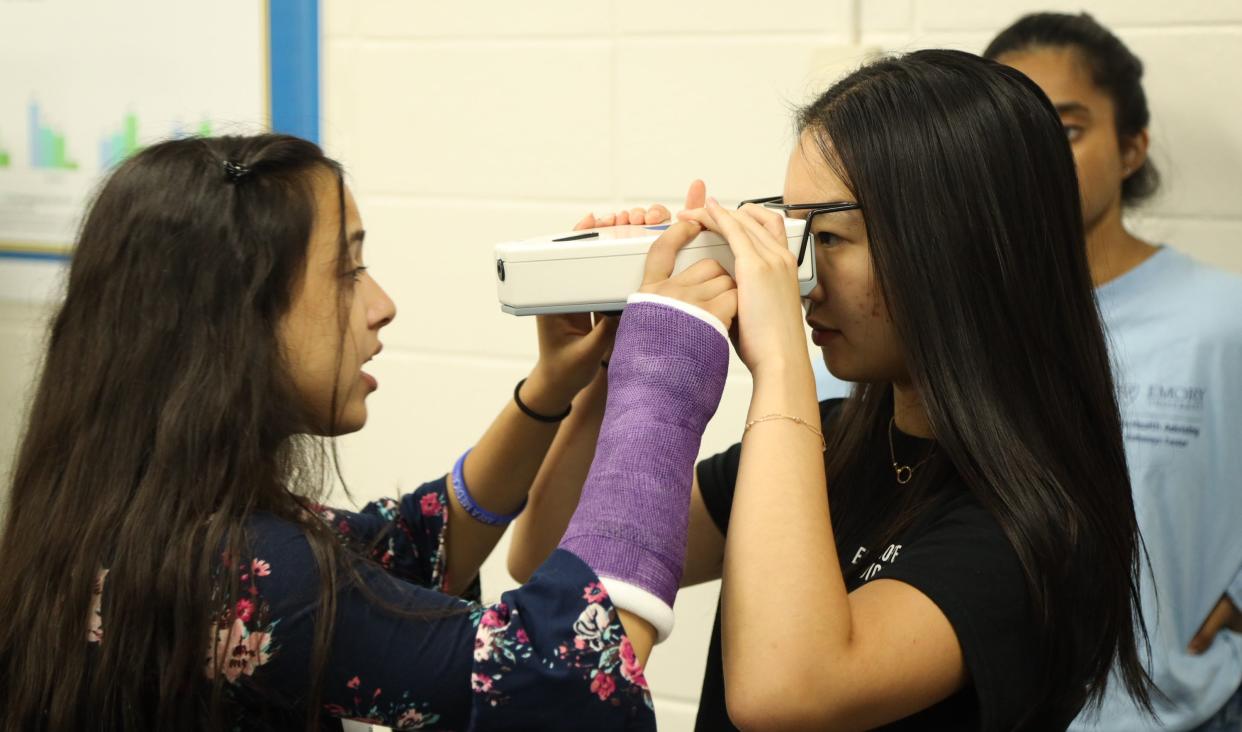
[293,42]
[42,256]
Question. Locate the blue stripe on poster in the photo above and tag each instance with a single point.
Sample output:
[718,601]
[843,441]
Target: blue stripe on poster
[293,42]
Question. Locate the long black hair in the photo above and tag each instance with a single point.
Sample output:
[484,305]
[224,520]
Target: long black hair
[1113,67]
[164,417]
[972,212]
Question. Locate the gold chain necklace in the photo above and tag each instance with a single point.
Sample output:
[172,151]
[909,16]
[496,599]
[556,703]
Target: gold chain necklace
[904,473]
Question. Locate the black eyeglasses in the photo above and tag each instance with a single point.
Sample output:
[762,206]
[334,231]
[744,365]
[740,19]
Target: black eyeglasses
[812,209]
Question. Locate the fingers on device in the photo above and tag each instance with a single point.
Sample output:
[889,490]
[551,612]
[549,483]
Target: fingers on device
[598,269]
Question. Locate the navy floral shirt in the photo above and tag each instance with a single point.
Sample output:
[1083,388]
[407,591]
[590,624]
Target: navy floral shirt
[550,655]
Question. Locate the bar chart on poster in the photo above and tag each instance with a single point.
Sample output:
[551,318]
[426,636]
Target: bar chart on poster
[87,84]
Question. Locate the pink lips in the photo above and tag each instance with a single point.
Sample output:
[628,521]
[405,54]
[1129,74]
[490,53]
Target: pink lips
[821,337]
[369,379]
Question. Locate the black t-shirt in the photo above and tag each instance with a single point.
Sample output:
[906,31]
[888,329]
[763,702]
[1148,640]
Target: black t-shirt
[957,555]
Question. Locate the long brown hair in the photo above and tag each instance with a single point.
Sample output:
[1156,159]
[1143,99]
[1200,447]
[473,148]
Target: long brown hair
[163,419]
[976,237]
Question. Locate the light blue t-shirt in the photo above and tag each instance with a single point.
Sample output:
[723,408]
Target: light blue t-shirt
[1175,331]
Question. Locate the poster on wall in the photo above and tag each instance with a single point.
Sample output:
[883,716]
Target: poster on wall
[87,84]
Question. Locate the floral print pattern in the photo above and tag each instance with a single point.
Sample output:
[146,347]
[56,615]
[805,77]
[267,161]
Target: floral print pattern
[555,644]
[602,651]
[243,633]
[369,706]
[239,651]
[497,651]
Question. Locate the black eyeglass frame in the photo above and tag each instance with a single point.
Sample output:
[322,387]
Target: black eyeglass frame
[812,209]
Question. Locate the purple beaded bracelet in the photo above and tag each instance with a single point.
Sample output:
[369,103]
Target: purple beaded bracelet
[477,512]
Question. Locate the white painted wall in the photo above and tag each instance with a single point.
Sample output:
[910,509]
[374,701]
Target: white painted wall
[470,124]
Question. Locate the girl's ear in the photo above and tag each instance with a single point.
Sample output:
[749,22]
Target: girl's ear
[1134,152]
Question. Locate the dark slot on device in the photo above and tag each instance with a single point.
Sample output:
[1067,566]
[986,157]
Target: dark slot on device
[576,237]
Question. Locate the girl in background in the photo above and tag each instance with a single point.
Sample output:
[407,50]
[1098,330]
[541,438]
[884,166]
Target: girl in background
[1177,347]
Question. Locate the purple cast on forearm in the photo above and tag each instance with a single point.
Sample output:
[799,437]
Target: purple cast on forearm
[665,379]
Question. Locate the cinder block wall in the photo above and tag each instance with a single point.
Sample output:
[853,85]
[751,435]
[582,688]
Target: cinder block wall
[464,126]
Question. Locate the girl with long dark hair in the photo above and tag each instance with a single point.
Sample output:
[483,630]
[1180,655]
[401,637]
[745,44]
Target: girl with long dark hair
[1177,348]
[953,547]
[165,559]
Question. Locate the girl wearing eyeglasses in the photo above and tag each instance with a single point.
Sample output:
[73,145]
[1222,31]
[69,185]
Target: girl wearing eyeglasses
[953,546]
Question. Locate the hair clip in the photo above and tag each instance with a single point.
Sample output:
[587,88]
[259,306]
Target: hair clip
[236,171]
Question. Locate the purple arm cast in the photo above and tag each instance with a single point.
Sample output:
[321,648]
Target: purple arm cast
[665,380]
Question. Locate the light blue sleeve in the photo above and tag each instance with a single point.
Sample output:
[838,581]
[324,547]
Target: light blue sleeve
[1235,590]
